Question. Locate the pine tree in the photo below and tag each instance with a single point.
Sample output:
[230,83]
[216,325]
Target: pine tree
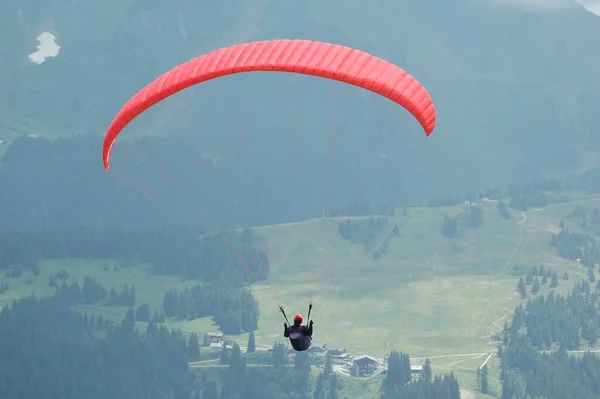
[193,348]
[251,348]
[210,390]
[503,210]
[484,384]
[278,355]
[535,287]
[236,362]
[142,313]
[113,299]
[529,277]
[475,216]
[449,227]
[129,316]
[554,281]
[521,288]
[333,387]
[131,297]
[320,392]
[328,369]
[427,374]
[591,275]
[224,355]
[124,297]
[398,373]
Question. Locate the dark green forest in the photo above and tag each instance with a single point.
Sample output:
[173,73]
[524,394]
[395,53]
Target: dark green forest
[224,263]
[156,182]
[514,87]
[534,358]
[372,233]
[193,253]
[133,223]
[47,350]
[398,384]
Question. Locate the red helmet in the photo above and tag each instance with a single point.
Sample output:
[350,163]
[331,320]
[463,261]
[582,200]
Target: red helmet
[298,318]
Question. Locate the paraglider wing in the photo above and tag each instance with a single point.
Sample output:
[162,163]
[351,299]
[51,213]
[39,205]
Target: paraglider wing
[298,56]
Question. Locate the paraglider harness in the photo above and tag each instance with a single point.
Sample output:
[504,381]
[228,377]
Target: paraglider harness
[307,317]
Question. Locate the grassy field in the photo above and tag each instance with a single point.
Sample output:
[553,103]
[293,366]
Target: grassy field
[428,295]
[150,289]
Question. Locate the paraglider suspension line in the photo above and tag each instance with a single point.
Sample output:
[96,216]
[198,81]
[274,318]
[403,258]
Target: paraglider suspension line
[284,316]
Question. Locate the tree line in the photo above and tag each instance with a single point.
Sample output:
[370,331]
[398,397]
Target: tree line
[172,181]
[48,351]
[93,292]
[563,320]
[234,309]
[577,246]
[469,218]
[226,259]
[364,232]
[398,383]
[538,278]
[193,253]
[148,186]
[369,233]
[534,358]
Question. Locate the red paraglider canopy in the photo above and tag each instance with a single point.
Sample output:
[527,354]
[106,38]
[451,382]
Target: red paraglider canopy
[319,59]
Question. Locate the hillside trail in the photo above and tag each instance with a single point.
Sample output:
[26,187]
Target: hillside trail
[523,223]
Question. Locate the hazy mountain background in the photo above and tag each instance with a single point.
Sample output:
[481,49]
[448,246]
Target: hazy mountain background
[515,84]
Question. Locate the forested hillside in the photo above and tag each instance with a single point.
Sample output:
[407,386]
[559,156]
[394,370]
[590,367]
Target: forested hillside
[559,323]
[49,351]
[507,99]
[122,260]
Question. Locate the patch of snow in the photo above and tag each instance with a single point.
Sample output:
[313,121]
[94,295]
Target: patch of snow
[47,48]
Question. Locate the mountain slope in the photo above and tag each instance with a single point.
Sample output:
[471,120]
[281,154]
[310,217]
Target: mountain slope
[513,87]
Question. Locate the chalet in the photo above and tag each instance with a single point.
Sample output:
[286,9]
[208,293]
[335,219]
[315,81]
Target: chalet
[216,346]
[336,351]
[317,348]
[339,355]
[416,371]
[363,366]
[341,359]
[213,338]
[489,203]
